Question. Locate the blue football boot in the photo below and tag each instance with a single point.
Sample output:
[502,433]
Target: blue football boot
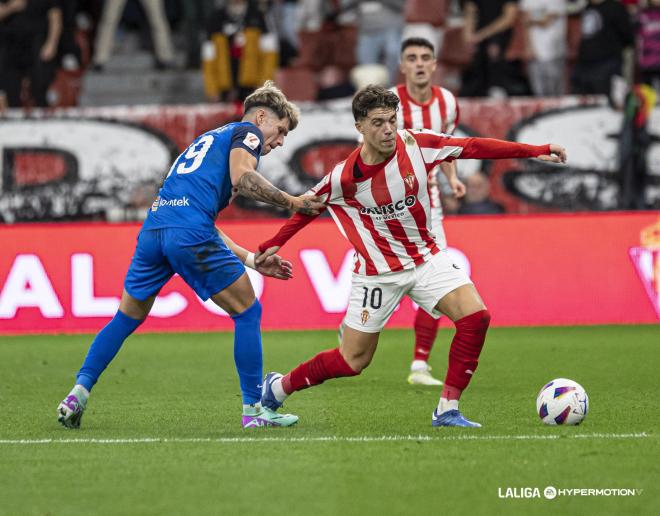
[452,418]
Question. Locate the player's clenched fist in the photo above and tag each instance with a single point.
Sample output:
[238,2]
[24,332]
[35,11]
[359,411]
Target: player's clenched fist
[308,205]
[261,257]
[557,154]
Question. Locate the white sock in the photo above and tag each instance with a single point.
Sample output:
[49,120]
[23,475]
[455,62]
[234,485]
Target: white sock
[80,392]
[252,409]
[419,365]
[445,405]
[278,390]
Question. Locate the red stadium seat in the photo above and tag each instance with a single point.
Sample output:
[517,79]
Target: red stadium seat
[455,51]
[311,50]
[66,88]
[329,46]
[426,11]
[345,41]
[297,83]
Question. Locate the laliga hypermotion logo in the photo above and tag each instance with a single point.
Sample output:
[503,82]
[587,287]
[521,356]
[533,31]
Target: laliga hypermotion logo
[646,259]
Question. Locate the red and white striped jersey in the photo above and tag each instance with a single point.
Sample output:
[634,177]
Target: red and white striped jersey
[384,210]
[386,214]
[439,114]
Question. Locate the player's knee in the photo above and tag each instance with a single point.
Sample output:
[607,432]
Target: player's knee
[250,313]
[483,321]
[135,308]
[358,366]
[236,306]
[358,362]
[257,308]
[475,322]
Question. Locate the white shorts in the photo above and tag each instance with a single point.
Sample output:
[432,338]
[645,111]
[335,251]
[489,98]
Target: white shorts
[374,298]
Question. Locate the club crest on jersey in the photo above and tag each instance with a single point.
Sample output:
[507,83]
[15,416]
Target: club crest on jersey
[646,259]
[251,140]
[408,139]
[409,179]
[364,316]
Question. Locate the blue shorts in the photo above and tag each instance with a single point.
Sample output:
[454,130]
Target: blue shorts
[200,257]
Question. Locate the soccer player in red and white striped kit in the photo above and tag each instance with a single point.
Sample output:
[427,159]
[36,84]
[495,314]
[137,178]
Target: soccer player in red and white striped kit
[379,198]
[425,106]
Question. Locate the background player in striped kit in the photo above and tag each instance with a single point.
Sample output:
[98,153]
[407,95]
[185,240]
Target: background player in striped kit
[379,199]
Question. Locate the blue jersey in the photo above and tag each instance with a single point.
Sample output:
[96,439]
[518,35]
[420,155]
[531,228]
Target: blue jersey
[198,185]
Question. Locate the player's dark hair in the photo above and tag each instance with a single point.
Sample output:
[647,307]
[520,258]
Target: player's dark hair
[417,42]
[271,97]
[372,97]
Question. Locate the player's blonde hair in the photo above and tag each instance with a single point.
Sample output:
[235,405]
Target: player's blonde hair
[271,97]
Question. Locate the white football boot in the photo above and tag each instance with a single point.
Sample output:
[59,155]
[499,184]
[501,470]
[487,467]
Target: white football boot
[420,374]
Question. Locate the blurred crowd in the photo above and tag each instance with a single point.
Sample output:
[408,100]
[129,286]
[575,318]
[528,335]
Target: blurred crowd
[323,49]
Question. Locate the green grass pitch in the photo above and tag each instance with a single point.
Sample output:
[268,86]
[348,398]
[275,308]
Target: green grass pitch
[162,431]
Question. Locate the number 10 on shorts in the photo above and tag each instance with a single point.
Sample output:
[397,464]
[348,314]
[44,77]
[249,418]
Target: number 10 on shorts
[375,300]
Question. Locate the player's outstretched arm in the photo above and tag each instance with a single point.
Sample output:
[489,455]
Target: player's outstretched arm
[273,265]
[268,248]
[290,228]
[490,148]
[250,183]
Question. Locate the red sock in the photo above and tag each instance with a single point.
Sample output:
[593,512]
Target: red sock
[426,329]
[327,364]
[451,393]
[464,352]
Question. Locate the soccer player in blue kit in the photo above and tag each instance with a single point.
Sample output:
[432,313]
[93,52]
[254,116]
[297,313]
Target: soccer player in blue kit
[179,236]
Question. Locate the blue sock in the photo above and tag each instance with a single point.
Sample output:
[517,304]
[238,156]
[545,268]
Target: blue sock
[105,347]
[247,352]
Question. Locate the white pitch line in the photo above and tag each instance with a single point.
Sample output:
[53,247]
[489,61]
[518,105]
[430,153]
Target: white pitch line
[346,439]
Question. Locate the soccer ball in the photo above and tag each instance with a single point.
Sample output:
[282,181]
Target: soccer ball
[562,402]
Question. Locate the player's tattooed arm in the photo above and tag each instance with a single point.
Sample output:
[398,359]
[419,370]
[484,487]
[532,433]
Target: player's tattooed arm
[253,185]
[250,183]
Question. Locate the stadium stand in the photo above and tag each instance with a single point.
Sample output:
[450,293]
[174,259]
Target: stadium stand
[433,12]
[297,83]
